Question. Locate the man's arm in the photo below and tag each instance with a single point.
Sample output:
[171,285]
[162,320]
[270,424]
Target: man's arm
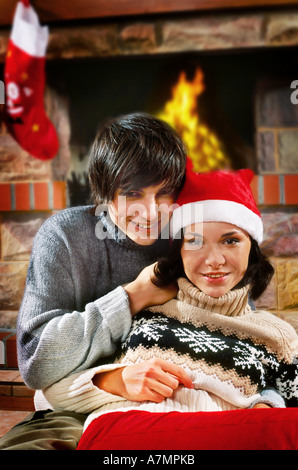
[55,340]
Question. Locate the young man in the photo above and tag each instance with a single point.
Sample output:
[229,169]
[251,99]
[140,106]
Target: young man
[90,269]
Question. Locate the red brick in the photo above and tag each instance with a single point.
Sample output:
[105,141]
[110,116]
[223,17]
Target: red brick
[254,188]
[17,403]
[59,195]
[22,195]
[5,390]
[11,352]
[271,189]
[5,197]
[291,189]
[10,376]
[22,391]
[41,196]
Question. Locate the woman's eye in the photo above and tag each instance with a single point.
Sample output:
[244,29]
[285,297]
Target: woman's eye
[231,241]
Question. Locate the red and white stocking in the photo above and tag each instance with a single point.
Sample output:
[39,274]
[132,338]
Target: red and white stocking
[24,78]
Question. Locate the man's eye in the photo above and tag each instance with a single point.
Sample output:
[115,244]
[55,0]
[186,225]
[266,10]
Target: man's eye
[131,194]
[166,192]
[194,241]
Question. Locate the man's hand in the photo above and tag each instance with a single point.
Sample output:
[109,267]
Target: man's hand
[152,380]
[143,293]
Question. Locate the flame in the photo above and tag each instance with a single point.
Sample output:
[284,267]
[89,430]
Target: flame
[181,112]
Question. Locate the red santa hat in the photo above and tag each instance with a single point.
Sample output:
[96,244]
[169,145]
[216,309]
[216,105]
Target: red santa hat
[218,196]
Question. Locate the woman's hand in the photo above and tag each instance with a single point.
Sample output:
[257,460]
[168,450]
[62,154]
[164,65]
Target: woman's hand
[152,380]
[143,293]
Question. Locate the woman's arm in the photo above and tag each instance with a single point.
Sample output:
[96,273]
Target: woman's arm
[152,380]
[77,392]
[84,392]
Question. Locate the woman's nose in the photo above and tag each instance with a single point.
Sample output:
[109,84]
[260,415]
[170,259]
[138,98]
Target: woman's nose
[214,258]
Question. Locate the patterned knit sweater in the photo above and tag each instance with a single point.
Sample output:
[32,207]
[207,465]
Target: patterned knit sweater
[234,356]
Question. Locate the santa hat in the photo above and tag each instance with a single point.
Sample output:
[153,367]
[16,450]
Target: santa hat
[218,196]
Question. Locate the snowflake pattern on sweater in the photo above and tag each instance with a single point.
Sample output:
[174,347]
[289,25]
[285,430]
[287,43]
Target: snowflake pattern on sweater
[218,361]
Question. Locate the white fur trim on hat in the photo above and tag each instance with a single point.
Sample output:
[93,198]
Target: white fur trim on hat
[218,211]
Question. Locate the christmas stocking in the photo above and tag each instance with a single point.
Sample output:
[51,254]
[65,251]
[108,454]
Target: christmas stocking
[24,77]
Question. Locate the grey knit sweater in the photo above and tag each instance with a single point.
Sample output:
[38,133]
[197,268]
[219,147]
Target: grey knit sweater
[74,309]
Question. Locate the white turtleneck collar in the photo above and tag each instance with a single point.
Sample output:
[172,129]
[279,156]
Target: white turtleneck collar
[234,303]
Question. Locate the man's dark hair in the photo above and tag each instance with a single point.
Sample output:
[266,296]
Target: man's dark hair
[133,152]
[258,274]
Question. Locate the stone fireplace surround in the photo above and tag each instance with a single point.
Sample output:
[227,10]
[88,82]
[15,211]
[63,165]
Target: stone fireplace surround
[31,190]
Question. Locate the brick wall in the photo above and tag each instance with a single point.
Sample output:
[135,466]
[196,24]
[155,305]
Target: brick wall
[24,205]
[277,192]
[30,191]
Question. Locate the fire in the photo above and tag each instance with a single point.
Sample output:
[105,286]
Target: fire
[181,112]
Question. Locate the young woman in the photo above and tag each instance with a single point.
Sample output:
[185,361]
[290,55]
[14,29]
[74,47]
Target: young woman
[233,357]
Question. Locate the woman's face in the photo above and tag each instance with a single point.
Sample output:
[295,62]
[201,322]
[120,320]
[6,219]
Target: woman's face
[215,256]
[142,214]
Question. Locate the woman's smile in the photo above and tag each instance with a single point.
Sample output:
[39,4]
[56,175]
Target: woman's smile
[215,277]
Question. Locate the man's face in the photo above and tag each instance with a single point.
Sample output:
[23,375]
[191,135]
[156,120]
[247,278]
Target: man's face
[143,213]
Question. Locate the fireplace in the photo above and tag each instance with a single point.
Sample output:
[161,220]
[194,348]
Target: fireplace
[233,104]
[104,67]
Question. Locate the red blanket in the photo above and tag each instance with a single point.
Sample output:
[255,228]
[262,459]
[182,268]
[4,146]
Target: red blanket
[255,429]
